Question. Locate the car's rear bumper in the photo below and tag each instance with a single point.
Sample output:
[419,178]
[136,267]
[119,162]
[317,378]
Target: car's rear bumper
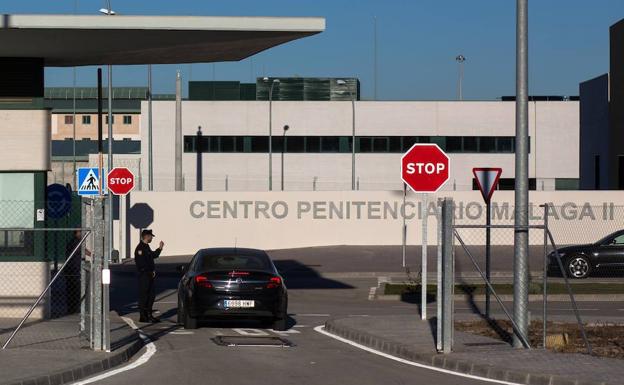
[213,306]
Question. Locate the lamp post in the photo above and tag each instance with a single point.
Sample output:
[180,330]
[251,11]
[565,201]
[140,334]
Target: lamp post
[343,83]
[283,149]
[273,83]
[460,61]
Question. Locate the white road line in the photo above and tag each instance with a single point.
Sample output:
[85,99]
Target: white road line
[251,332]
[321,329]
[149,352]
[285,332]
[301,326]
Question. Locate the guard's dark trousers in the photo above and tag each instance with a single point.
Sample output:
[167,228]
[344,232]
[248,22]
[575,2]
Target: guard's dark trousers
[147,293]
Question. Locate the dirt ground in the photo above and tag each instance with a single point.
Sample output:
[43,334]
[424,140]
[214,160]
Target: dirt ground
[606,340]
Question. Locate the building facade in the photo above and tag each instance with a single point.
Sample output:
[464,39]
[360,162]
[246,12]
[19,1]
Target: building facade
[234,144]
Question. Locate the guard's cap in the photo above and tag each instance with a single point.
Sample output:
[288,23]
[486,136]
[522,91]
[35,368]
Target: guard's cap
[147,232]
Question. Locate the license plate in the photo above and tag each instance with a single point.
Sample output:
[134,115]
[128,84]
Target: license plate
[237,303]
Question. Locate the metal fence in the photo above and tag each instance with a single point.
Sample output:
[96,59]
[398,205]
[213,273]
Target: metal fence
[46,285]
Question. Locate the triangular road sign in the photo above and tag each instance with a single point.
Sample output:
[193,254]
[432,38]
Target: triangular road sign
[90,183]
[487,180]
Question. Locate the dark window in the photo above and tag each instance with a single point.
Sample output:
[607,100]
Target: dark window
[106,119]
[189,144]
[240,144]
[295,143]
[425,139]
[408,142]
[86,119]
[259,144]
[394,144]
[313,144]
[507,184]
[454,144]
[127,119]
[330,144]
[366,144]
[345,144]
[470,144]
[276,144]
[504,144]
[203,145]
[380,144]
[234,262]
[228,143]
[487,144]
[69,119]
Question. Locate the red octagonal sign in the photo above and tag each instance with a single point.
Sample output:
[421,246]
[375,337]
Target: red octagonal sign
[425,167]
[120,181]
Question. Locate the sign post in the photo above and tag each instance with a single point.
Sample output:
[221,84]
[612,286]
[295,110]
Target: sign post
[487,180]
[424,168]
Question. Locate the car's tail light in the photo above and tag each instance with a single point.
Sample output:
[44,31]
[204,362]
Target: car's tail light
[202,281]
[274,282]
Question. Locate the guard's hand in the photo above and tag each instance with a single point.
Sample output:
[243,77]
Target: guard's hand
[153,274]
[161,245]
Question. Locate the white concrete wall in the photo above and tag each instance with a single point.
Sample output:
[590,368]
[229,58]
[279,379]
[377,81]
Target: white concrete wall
[20,284]
[25,138]
[554,131]
[187,221]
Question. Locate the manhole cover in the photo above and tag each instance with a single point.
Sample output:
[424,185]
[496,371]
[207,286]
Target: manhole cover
[252,341]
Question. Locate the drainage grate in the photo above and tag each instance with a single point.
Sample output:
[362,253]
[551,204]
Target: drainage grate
[269,341]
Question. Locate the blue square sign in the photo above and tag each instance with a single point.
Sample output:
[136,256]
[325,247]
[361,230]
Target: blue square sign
[89,181]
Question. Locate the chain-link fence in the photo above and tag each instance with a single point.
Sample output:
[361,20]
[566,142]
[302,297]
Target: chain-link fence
[43,261]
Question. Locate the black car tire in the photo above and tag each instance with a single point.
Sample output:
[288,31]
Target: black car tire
[187,321]
[578,267]
[280,323]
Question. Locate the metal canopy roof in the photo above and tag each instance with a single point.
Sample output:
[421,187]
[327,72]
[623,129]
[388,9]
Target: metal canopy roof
[75,40]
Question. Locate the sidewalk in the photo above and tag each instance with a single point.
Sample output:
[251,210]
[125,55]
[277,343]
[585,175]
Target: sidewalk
[410,338]
[52,352]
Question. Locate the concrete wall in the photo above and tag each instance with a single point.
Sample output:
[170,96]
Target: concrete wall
[20,284]
[25,138]
[187,221]
[553,126]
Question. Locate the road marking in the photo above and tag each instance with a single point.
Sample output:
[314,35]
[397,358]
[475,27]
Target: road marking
[150,350]
[251,332]
[181,332]
[321,329]
[301,326]
[285,332]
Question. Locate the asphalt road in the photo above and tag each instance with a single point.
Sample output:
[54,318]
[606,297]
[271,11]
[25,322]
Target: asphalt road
[191,357]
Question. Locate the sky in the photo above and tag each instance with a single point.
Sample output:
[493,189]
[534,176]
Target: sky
[417,42]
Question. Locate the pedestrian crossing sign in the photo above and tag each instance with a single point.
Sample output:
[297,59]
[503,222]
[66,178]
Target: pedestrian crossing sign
[89,181]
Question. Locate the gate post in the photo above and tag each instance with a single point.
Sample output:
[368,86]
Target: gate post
[447,274]
[99,230]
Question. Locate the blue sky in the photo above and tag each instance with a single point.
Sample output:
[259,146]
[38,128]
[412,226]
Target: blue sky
[417,43]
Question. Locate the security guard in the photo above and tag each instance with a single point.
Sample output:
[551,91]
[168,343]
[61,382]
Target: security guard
[144,259]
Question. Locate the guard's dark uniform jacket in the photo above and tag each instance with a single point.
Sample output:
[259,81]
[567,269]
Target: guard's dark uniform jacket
[144,259]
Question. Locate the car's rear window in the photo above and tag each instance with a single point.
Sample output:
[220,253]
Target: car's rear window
[233,262]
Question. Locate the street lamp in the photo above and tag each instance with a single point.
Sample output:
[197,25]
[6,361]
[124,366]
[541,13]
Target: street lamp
[460,59]
[343,83]
[283,149]
[273,83]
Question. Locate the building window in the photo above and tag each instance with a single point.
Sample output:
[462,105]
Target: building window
[507,184]
[106,120]
[69,119]
[127,119]
[86,119]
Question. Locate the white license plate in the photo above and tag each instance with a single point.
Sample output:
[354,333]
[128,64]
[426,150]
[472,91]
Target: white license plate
[232,303]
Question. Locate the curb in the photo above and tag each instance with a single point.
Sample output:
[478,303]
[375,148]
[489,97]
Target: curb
[447,362]
[532,297]
[88,369]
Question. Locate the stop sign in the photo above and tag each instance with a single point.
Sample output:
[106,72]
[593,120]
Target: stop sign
[120,181]
[425,167]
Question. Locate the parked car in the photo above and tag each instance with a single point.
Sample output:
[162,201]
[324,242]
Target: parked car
[229,283]
[582,260]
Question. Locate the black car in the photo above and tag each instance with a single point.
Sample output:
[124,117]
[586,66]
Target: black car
[582,260]
[232,282]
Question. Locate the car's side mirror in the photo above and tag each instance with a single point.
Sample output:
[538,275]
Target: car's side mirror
[181,269]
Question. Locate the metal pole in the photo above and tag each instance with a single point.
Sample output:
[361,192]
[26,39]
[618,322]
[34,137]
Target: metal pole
[423,270]
[75,177]
[150,154]
[179,186]
[271,135]
[352,139]
[200,150]
[488,249]
[283,148]
[448,275]
[545,279]
[99,125]
[404,228]
[521,239]
[439,275]
[375,58]
[461,80]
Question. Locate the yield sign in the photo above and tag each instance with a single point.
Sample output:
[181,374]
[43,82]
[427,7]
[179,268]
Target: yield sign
[487,180]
